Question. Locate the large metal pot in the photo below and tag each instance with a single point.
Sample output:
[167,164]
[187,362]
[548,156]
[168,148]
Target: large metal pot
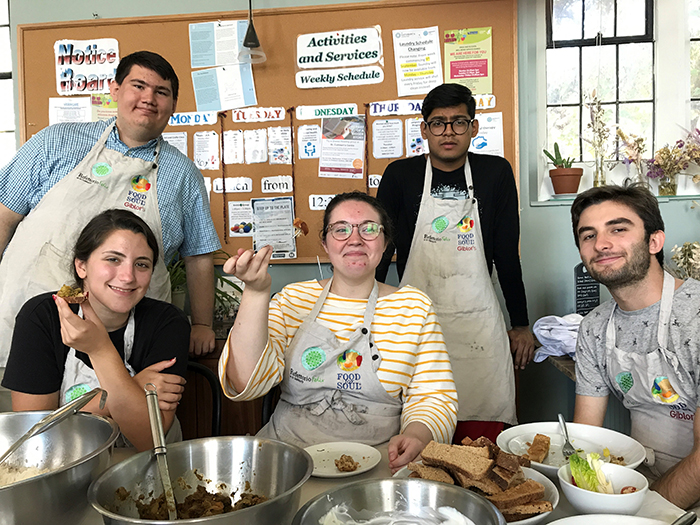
[369,497]
[77,450]
[273,469]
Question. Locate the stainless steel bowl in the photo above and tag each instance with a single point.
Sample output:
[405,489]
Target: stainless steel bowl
[76,451]
[273,469]
[369,497]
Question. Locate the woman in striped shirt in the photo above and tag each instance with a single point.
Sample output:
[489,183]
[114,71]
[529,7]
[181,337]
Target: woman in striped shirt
[356,360]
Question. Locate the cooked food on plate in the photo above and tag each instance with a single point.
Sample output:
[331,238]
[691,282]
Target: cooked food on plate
[539,448]
[346,464]
[482,466]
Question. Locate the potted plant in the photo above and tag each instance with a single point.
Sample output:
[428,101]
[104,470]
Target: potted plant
[178,280]
[565,179]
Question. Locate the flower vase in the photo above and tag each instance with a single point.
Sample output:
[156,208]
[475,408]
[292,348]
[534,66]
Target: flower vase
[642,176]
[599,175]
[668,185]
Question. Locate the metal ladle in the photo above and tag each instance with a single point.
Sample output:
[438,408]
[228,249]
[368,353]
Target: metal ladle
[159,447]
[55,417]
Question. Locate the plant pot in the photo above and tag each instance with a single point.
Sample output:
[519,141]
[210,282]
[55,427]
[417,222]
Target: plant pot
[565,180]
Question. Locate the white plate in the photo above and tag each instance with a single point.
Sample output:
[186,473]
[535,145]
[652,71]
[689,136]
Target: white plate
[607,519]
[325,454]
[586,437]
[551,493]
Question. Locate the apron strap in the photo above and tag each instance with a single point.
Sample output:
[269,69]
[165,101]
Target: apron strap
[369,311]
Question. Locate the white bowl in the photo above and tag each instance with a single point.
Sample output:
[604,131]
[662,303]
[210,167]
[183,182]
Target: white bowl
[589,502]
[607,519]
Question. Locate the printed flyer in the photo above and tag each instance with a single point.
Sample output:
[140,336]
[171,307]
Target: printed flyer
[468,59]
[342,147]
[417,60]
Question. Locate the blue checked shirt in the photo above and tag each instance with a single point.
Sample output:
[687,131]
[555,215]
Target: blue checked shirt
[54,151]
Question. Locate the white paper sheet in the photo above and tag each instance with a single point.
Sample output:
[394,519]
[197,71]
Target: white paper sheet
[387,139]
[279,145]
[206,150]
[489,140]
[177,139]
[73,109]
[255,145]
[342,147]
[309,138]
[273,219]
[216,43]
[233,147]
[222,88]
[415,145]
[417,60]
[240,219]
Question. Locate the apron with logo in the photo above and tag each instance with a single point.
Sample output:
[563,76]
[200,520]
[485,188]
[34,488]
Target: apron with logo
[658,392]
[447,262]
[39,257]
[78,379]
[330,391]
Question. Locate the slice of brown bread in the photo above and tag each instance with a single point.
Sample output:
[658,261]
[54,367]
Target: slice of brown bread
[521,494]
[485,485]
[467,440]
[483,441]
[539,448]
[432,473]
[524,460]
[506,479]
[414,475]
[470,461]
[521,512]
[508,461]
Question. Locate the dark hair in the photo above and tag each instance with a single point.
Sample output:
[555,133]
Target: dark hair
[636,196]
[384,219]
[102,226]
[448,96]
[149,60]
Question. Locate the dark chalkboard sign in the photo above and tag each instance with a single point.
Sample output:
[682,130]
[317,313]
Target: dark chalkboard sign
[587,290]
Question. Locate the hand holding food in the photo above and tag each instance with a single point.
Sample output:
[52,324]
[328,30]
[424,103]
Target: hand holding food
[251,267]
[85,335]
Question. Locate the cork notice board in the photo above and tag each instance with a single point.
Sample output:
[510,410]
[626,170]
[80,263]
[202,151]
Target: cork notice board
[275,85]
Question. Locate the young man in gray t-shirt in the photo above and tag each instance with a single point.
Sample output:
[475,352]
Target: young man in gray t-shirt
[642,346]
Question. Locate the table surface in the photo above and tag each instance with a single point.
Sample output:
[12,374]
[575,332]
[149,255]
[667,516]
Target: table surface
[654,505]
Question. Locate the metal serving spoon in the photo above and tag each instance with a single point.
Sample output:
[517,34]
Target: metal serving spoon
[568,449]
[55,417]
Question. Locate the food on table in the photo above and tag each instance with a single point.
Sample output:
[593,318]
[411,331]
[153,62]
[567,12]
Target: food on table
[539,448]
[71,294]
[615,460]
[300,227]
[588,474]
[482,466]
[629,489]
[12,474]
[346,464]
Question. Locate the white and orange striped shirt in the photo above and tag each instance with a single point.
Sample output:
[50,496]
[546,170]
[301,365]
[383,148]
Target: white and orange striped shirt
[415,366]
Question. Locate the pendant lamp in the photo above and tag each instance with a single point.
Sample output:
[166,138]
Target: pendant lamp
[251,52]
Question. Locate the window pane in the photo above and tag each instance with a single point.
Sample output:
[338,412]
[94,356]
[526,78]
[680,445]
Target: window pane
[5,52]
[695,69]
[694,18]
[637,119]
[562,76]
[636,76]
[695,111]
[8,147]
[631,17]
[7,109]
[566,19]
[599,72]
[563,128]
[609,120]
[599,17]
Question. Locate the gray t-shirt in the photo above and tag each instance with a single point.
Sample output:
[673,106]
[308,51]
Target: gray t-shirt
[637,332]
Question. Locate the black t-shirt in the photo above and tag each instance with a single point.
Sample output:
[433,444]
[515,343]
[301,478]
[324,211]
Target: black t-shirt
[400,193]
[38,355]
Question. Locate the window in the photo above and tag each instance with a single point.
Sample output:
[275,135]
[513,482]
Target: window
[606,46]
[694,27]
[7,106]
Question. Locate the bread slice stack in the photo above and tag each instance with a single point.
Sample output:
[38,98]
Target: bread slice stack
[482,466]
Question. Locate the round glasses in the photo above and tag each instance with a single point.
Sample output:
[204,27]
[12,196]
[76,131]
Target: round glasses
[342,230]
[459,126]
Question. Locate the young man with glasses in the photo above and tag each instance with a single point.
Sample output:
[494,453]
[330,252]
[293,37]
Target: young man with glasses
[456,215]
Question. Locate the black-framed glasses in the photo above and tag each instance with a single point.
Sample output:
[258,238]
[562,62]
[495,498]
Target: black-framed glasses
[459,126]
[342,230]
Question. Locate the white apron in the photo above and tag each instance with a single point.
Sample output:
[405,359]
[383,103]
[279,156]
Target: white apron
[78,379]
[38,259]
[330,390]
[656,390]
[447,262]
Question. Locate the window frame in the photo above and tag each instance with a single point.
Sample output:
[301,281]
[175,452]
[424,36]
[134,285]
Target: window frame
[599,40]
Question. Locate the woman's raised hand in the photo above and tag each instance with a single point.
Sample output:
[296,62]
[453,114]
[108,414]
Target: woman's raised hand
[86,335]
[251,268]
